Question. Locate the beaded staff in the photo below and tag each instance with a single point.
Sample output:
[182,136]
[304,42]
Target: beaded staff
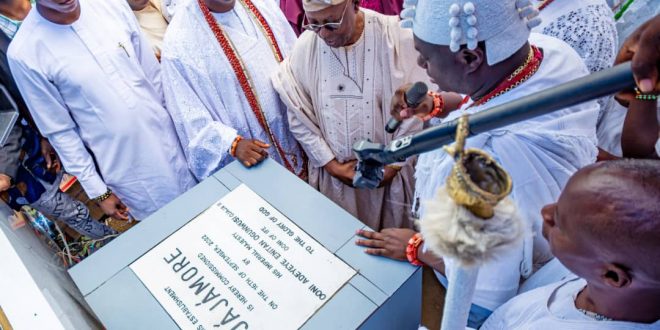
[470,218]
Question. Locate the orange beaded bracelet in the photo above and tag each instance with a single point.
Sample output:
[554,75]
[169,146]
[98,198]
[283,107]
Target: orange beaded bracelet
[232,150]
[411,250]
[438,105]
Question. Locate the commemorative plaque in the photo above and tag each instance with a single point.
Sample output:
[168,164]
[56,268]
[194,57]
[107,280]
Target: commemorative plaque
[253,248]
[241,264]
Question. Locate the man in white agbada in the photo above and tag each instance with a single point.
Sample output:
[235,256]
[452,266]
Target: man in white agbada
[484,49]
[614,250]
[92,84]
[217,61]
[337,84]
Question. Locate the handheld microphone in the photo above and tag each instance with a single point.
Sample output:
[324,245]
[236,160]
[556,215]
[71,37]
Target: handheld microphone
[414,96]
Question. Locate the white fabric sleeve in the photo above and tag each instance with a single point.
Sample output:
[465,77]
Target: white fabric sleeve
[206,141]
[56,124]
[302,118]
[315,146]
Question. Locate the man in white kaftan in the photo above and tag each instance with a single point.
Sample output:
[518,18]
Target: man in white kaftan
[485,49]
[339,96]
[203,92]
[611,250]
[540,154]
[93,88]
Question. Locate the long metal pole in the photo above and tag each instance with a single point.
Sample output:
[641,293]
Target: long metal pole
[588,88]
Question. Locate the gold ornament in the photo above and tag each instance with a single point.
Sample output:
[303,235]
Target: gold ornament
[477,181]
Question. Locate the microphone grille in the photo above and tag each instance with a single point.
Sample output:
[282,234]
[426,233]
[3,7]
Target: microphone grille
[417,92]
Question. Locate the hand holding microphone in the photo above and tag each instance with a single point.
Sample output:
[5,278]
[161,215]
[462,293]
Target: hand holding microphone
[409,100]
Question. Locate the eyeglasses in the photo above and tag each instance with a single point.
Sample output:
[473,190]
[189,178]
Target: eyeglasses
[332,26]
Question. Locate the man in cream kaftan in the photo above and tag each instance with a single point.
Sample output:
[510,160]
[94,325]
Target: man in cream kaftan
[93,88]
[203,92]
[338,96]
[152,22]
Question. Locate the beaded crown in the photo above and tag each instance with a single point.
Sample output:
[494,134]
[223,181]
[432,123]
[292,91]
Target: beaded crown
[477,181]
[504,25]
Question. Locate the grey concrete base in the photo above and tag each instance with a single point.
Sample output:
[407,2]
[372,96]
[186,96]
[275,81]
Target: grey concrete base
[385,294]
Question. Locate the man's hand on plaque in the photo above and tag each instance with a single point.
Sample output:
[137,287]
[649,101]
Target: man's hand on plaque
[251,152]
[344,172]
[390,242]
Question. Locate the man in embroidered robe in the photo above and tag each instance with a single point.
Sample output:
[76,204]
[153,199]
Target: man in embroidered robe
[99,102]
[494,59]
[152,21]
[218,91]
[338,84]
[613,250]
[295,14]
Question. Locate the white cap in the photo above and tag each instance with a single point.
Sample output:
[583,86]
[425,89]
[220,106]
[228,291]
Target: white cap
[318,5]
[504,25]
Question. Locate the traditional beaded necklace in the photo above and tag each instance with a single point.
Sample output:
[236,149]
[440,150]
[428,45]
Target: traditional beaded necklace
[594,315]
[520,75]
[243,75]
[545,4]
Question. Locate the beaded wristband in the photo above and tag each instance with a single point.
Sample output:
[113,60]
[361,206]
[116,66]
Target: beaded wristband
[645,97]
[438,105]
[411,249]
[103,197]
[232,150]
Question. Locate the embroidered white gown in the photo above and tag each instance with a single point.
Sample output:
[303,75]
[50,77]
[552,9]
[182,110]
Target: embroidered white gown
[203,93]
